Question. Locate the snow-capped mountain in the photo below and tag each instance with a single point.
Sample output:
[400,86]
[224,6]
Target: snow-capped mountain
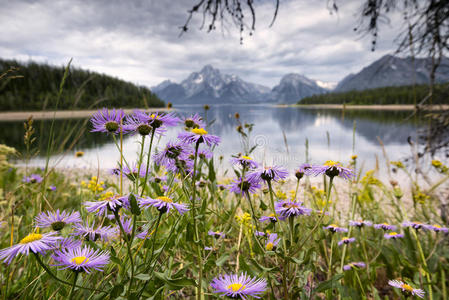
[293,87]
[211,86]
[394,71]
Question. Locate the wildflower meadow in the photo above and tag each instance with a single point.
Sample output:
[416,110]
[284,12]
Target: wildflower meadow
[173,225]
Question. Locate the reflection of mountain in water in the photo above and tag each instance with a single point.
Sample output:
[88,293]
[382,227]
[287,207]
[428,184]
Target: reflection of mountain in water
[390,126]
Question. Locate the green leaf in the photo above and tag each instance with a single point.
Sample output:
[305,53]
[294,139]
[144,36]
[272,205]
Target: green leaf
[116,291]
[135,209]
[222,260]
[143,277]
[189,232]
[325,285]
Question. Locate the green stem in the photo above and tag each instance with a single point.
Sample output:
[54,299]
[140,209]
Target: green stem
[139,164]
[75,277]
[354,196]
[128,247]
[154,237]
[271,196]
[148,163]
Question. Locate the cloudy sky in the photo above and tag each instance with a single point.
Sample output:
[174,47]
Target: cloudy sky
[139,40]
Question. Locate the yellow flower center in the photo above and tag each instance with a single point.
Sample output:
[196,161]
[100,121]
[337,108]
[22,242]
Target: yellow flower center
[31,238]
[272,215]
[407,287]
[386,224]
[79,260]
[393,233]
[246,157]
[345,238]
[290,205]
[333,225]
[269,246]
[199,131]
[331,163]
[154,116]
[165,199]
[437,226]
[236,287]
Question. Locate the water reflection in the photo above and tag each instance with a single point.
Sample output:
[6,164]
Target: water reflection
[279,132]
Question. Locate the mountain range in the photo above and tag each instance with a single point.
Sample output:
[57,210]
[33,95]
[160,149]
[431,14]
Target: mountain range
[210,86]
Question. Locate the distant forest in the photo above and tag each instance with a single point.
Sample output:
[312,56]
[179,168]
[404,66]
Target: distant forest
[385,95]
[34,86]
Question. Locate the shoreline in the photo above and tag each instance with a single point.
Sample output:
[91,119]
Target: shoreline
[60,114]
[366,107]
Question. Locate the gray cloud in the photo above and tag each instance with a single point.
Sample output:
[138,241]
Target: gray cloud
[139,40]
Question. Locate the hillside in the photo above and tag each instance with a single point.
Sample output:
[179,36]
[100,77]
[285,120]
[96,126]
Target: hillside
[394,71]
[38,86]
[385,95]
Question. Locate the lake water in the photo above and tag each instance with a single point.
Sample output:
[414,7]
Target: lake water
[280,134]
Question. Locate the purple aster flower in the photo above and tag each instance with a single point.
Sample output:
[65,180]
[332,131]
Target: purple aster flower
[260,233]
[198,136]
[163,204]
[414,225]
[52,188]
[81,259]
[66,243]
[132,173]
[332,169]
[244,161]
[249,185]
[334,228]
[437,228]
[272,242]
[406,288]
[273,173]
[36,242]
[108,121]
[393,235]
[302,170]
[203,154]
[158,121]
[385,226]
[33,178]
[272,218]
[354,265]
[209,248]
[346,240]
[194,121]
[360,223]
[289,208]
[56,219]
[216,234]
[235,286]
[113,203]
[170,153]
[138,123]
[183,164]
[92,234]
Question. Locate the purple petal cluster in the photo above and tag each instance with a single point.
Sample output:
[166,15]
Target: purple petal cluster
[163,204]
[56,219]
[244,161]
[393,235]
[243,186]
[272,218]
[346,240]
[332,169]
[34,242]
[385,226]
[194,121]
[239,286]
[289,208]
[334,228]
[198,136]
[108,121]
[91,233]
[101,207]
[272,242]
[360,223]
[33,178]
[273,173]
[354,265]
[406,288]
[81,259]
[216,234]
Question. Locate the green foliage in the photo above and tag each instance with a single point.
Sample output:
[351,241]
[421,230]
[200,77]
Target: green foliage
[34,87]
[383,96]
